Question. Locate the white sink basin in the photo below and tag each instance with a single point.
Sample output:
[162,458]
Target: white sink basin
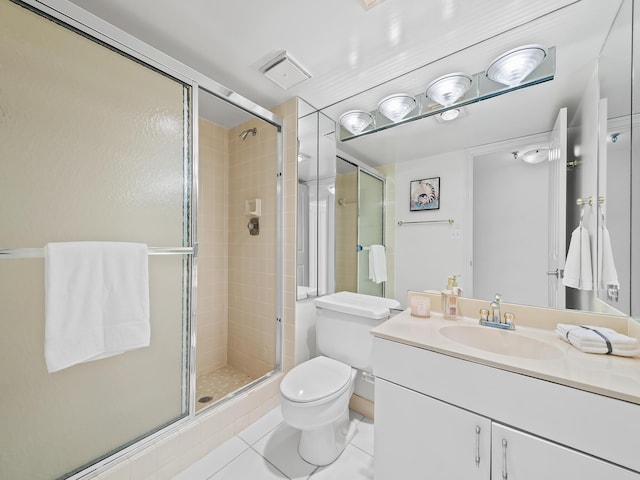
[499,341]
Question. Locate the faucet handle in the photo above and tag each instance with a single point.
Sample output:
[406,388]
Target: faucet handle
[509,318]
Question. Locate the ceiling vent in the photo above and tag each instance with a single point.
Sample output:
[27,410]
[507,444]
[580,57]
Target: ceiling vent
[285,71]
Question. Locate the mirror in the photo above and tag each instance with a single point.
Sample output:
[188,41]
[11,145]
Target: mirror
[424,255]
[315,271]
[614,172]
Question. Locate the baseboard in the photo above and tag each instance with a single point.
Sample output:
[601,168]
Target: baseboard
[361,405]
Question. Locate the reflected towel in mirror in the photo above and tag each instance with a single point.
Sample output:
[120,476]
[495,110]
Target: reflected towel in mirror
[607,267]
[577,270]
[377,264]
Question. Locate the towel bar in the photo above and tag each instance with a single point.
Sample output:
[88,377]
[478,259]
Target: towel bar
[449,221]
[39,252]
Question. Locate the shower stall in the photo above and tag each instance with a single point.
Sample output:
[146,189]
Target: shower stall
[237,234]
[104,140]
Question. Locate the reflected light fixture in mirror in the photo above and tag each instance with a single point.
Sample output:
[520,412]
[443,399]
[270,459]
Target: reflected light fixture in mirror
[449,115]
[396,107]
[356,121]
[446,90]
[532,155]
[512,67]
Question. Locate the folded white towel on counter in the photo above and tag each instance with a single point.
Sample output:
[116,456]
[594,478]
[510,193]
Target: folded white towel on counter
[577,270]
[594,339]
[377,264]
[96,301]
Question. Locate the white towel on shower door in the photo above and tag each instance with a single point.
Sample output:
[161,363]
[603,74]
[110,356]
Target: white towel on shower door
[577,271]
[96,301]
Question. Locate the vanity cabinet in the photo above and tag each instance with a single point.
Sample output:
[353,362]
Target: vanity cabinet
[442,417]
[519,456]
[418,437]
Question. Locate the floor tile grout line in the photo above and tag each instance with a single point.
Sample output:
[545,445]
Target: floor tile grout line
[284,475]
[361,449]
[261,436]
[231,460]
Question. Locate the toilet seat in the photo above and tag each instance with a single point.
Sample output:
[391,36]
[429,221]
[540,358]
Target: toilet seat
[317,380]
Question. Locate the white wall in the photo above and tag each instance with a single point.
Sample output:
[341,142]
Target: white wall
[510,229]
[426,254]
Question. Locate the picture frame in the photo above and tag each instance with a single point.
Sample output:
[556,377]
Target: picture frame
[424,194]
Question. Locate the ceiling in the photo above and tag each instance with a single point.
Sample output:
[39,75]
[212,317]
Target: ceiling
[356,56]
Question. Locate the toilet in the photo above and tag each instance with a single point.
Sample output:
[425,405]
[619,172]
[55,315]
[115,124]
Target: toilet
[315,394]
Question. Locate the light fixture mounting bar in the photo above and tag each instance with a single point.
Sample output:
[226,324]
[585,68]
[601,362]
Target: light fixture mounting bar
[481,89]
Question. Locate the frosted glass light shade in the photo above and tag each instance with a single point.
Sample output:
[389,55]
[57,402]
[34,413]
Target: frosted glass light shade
[396,107]
[449,115]
[355,121]
[535,155]
[446,90]
[512,67]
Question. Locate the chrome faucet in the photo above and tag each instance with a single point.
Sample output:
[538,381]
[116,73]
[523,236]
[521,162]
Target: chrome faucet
[494,319]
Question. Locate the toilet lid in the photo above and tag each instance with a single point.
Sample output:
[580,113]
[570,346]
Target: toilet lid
[315,379]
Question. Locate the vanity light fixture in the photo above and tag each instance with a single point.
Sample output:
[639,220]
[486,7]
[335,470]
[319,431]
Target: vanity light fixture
[396,107]
[446,96]
[356,121]
[512,67]
[446,90]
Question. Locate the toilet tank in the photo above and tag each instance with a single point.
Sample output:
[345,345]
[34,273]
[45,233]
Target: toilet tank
[343,322]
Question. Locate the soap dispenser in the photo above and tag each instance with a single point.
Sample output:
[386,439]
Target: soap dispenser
[450,299]
[495,309]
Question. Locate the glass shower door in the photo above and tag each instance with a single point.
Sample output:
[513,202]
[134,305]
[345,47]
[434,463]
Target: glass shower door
[370,229]
[93,147]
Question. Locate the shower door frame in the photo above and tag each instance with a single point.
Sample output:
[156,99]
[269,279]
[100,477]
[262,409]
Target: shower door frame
[73,17]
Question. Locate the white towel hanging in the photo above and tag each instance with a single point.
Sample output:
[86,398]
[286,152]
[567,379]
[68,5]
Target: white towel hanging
[606,264]
[96,301]
[377,264]
[577,271]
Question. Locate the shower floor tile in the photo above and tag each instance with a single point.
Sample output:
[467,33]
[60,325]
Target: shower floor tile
[220,383]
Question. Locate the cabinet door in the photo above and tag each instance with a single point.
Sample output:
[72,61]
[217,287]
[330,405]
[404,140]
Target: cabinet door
[519,456]
[417,437]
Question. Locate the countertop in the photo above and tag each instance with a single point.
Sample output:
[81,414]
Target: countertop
[609,375]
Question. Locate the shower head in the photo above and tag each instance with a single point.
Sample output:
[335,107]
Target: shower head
[253,131]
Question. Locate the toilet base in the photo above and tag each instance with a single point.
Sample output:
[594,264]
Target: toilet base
[322,446]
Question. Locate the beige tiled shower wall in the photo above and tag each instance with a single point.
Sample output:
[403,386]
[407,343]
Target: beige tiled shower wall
[347,232]
[252,261]
[213,217]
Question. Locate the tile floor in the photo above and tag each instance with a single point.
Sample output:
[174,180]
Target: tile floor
[268,449]
[216,385]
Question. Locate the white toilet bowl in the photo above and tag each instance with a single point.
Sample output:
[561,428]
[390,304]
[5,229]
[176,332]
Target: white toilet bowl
[315,395]
[315,399]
